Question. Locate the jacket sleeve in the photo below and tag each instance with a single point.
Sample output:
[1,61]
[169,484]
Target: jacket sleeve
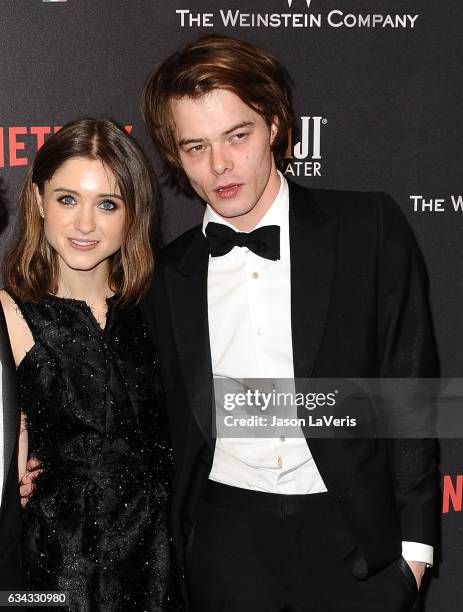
[407,350]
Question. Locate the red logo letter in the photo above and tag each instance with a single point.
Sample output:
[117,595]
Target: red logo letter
[452,494]
[17,146]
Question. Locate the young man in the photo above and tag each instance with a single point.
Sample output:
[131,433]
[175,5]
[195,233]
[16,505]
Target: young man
[283,282]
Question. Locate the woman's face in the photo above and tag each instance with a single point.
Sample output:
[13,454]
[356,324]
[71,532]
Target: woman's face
[84,214]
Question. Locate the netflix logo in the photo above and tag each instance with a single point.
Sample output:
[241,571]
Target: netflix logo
[452,499]
[19,144]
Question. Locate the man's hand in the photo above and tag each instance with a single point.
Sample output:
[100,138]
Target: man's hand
[26,484]
[418,569]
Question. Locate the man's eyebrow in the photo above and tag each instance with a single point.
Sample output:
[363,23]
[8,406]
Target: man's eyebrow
[242,124]
[187,141]
[238,126]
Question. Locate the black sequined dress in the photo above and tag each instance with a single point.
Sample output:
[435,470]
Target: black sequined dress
[97,523]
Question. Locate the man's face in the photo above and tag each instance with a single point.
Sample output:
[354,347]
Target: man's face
[225,150]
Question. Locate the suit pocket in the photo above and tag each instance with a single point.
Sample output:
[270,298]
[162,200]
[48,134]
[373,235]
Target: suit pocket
[408,577]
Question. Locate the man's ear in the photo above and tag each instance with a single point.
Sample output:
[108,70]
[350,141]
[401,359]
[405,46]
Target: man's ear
[274,129]
[38,199]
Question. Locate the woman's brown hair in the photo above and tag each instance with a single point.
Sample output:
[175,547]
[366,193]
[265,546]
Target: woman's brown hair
[30,267]
[215,62]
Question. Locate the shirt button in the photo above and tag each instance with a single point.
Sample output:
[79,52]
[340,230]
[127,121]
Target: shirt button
[280,462]
[255,275]
[260,331]
[282,439]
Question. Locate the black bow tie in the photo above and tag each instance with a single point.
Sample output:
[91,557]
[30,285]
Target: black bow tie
[263,241]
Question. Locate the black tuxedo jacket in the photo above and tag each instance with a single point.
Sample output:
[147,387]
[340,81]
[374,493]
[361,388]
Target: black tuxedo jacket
[359,309]
[10,510]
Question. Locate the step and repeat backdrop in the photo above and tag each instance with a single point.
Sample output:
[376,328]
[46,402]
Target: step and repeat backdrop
[377,93]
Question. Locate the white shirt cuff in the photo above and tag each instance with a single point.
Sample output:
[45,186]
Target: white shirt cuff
[415,551]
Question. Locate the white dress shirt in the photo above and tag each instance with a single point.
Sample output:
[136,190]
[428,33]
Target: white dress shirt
[249,310]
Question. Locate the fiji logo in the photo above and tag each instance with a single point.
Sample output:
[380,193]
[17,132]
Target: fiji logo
[310,143]
[303,158]
[290,3]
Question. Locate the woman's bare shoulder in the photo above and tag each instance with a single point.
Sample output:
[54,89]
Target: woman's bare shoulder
[20,335]
[10,308]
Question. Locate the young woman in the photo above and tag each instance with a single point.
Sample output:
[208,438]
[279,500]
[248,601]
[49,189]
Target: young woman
[97,522]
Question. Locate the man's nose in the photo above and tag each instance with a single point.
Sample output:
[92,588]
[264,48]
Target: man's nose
[220,160]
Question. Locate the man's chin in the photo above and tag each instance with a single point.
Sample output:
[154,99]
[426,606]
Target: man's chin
[231,212]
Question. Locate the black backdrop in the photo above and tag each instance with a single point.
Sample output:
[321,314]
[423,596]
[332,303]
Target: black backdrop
[382,81]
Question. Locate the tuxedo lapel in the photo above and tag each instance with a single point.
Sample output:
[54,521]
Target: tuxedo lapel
[186,284]
[313,251]
[8,394]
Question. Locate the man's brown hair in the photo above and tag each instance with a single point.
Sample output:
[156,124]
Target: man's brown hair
[30,268]
[215,62]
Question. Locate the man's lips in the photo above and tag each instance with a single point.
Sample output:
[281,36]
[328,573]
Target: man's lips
[83,244]
[228,191]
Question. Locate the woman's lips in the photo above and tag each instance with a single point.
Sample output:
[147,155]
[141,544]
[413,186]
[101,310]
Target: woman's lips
[83,245]
[228,191]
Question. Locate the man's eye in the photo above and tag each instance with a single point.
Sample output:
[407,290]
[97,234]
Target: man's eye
[67,200]
[108,205]
[196,148]
[240,135]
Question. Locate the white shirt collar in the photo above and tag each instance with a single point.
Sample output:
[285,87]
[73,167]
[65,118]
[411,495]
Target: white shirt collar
[275,215]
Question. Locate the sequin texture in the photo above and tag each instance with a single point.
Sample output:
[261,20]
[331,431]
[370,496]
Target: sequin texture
[97,523]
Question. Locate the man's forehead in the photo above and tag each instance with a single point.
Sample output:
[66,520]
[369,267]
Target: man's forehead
[218,111]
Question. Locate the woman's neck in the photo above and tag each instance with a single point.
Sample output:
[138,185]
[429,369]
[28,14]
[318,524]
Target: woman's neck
[91,286]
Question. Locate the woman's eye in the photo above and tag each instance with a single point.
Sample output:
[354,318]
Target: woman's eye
[108,205]
[67,200]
